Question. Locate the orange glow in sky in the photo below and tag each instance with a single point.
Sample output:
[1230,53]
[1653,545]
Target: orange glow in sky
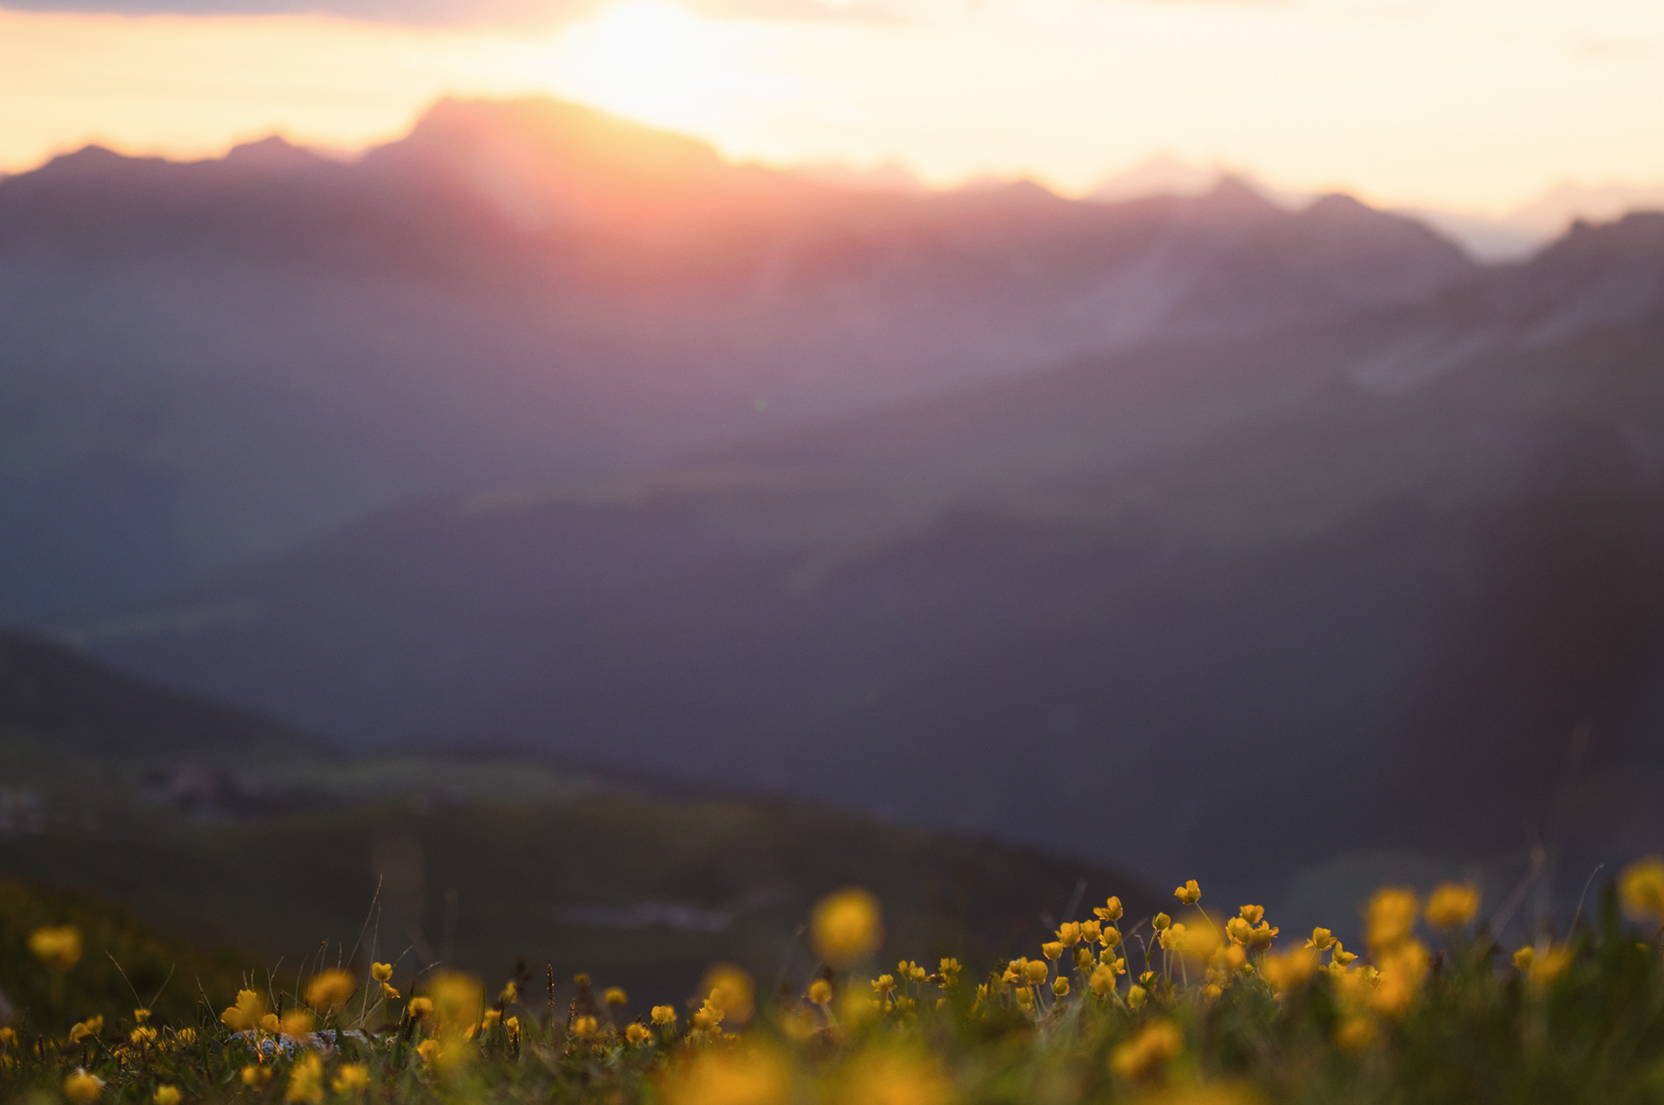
[1471,104]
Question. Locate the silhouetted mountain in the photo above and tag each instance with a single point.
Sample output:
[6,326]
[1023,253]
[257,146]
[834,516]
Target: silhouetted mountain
[1198,591]
[88,710]
[212,360]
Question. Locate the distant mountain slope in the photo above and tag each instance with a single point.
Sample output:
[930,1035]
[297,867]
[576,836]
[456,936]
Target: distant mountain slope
[82,707]
[480,859]
[210,361]
[1216,584]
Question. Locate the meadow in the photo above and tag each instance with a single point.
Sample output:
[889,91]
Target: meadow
[1197,1004]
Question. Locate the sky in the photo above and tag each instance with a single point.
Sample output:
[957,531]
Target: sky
[1472,105]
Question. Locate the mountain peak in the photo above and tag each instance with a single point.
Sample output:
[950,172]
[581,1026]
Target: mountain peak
[1236,195]
[271,152]
[544,127]
[1338,205]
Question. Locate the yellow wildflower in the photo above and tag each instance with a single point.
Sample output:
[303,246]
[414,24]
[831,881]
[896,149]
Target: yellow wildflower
[1051,949]
[637,1033]
[615,995]
[731,990]
[381,972]
[57,946]
[820,992]
[246,1014]
[255,1075]
[1160,921]
[663,1015]
[1188,894]
[846,927]
[1102,981]
[1452,905]
[1143,1054]
[893,1077]
[1321,939]
[1389,918]
[87,1029]
[166,1095]
[1110,911]
[306,1081]
[329,990]
[352,1078]
[83,1088]
[739,1076]
[1641,888]
[1253,914]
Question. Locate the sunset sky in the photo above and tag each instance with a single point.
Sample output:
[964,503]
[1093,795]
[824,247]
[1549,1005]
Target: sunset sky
[1468,104]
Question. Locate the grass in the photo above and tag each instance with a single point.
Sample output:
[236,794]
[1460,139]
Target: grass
[1209,1007]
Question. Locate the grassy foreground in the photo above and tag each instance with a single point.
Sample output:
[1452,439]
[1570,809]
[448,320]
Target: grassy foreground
[1204,1006]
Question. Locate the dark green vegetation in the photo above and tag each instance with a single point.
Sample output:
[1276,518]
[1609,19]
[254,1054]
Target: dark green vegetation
[287,854]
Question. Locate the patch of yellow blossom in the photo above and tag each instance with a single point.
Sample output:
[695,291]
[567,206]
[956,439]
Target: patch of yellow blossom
[1452,906]
[846,927]
[330,989]
[57,946]
[729,1076]
[1641,889]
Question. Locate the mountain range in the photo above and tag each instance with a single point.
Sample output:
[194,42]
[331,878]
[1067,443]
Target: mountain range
[1185,531]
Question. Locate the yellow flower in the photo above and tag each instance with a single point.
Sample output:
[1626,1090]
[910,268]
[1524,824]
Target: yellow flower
[352,1078]
[1641,887]
[87,1029]
[255,1075]
[1160,921]
[381,972]
[1060,986]
[457,1001]
[1037,971]
[1253,914]
[1403,969]
[83,1088]
[883,984]
[1523,957]
[1547,965]
[893,1077]
[1091,931]
[1288,970]
[389,991]
[1110,911]
[1068,933]
[419,1006]
[820,992]
[1143,1054]
[140,1016]
[166,1095]
[329,990]
[1452,905]
[846,927]
[186,1036]
[615,996]
[1052,949]
[1239,929]
[510,993]
[1102,981]
[637,1033]
[142,1035]
[663,1015]
[306,1081]
[1188,894]
[246,1014]
[1321,939]
[1136,996]
[584,1026]
[730,989]
[724,1076]
[57,946]
[296,1023]
[1355,1033]
[1389,918]
[428,1050]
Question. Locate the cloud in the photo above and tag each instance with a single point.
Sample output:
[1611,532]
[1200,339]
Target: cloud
[473,12]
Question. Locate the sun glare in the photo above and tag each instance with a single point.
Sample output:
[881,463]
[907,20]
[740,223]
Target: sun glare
[645,58]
